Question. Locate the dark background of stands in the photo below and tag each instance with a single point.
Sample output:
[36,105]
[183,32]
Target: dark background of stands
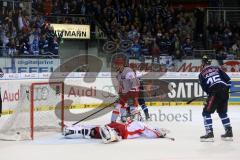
[182,29]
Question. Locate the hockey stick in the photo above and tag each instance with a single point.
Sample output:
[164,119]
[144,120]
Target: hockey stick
[195,98]
[170,138]
[94,113]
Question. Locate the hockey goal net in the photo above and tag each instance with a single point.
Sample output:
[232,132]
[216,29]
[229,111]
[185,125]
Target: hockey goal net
[40,109]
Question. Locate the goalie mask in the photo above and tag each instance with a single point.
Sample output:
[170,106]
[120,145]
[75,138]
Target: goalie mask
[108,134]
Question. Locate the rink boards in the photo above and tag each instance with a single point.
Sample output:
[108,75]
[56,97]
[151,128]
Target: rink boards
[97,90]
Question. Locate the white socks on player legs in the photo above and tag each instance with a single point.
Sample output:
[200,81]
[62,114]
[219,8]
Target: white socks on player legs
[115,112]
[135,113]
[119,110]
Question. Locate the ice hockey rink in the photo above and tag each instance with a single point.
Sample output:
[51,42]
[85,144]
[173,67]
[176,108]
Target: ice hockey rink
[186,128]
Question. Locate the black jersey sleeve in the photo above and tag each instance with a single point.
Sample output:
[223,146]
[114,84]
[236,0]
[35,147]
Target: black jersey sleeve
[225,77]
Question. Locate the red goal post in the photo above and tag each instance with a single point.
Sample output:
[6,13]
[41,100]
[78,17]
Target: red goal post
[40,109]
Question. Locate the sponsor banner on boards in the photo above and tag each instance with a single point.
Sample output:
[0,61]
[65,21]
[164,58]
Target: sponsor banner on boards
[90,94]
[184,65]
[28,65]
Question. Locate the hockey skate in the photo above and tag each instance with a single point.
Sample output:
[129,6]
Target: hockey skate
[147,116]
[209,137]
[228,136]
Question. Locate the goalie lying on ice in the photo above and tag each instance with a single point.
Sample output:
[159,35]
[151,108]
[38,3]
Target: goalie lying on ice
[114,131]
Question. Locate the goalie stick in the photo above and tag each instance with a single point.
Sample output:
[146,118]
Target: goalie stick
[170,138]
[195,98]
[94,113]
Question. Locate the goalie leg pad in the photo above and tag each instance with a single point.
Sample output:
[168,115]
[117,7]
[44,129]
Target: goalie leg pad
[78,132]
[108,134]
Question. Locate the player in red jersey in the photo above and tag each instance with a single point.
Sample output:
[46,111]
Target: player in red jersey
[114,131]
[128,88]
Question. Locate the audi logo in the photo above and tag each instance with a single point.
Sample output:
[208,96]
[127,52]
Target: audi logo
[109,91]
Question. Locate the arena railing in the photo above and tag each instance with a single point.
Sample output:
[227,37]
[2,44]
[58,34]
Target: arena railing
[4,54]
[223,14]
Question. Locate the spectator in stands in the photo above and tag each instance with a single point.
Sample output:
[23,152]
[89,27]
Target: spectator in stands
[66,8]
[211,29]
[236,49]
[47,7]
[50,34]
[133,33]
[11,48]
[43,45]
[135,50]
[219,47]
[164,43]
[187,48]
[154,51]
[55,46]
[56,9]
[20,21]
[18,27]
[177,47]
[35,45]
[23,48]
[5,38]
[220,51]
[215,39]
[26,24]
[199,15]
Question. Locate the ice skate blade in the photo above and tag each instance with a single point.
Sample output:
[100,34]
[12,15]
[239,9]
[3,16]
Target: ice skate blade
[227,139]
[207,140]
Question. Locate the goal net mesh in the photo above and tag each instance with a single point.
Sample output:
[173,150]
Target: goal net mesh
[40,109]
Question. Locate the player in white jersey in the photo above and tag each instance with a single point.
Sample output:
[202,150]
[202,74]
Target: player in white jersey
[114,131]
[128,89]
[141,99]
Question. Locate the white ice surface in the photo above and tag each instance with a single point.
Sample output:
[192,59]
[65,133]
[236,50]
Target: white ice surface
[186,146]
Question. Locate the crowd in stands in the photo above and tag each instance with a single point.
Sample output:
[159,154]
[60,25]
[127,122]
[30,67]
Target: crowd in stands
[23,34]
[225,39]
[152,26]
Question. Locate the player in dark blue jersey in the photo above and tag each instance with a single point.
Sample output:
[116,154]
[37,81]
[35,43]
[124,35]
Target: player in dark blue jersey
[216,84]
[141,101]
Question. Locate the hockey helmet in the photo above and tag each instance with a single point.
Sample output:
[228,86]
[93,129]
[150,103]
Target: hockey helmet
[206,60]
